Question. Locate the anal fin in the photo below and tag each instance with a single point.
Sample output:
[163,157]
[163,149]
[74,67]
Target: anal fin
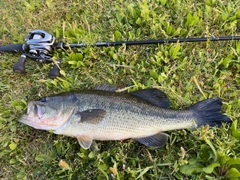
[155,141]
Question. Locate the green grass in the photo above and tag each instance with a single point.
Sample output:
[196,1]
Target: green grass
[187,72]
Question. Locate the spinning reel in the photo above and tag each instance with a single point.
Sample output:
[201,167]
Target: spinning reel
[39,47]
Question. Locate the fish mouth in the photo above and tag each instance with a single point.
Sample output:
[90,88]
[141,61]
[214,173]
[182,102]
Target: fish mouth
[35,119]
[36,109]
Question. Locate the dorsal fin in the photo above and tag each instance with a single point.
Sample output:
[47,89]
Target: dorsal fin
[106,87]
[153,96]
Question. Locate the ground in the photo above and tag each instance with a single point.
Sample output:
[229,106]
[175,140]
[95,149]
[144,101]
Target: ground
[186,72]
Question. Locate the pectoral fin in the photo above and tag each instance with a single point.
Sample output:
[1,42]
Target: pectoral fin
[91,116]
[155,141]
[85,141]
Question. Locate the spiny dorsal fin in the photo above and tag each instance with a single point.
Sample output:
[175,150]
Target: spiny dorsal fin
[155,141]
[106,87]
[91,116]
[153,96]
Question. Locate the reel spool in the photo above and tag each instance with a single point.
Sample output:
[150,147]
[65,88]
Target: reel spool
[39,47]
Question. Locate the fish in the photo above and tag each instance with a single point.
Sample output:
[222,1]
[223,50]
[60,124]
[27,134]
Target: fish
[105,114]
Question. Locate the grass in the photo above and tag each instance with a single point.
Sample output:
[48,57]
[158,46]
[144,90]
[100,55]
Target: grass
[187,72]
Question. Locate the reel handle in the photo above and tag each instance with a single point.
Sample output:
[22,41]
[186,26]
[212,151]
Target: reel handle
[54,72]
[19,67]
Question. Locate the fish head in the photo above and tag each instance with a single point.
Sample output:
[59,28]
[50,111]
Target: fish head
[49,113]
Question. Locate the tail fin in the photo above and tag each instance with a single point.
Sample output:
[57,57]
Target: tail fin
[209,112]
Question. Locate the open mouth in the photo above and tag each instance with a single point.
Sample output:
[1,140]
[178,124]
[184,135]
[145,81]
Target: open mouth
[40,110]
[36,110]
[36,117]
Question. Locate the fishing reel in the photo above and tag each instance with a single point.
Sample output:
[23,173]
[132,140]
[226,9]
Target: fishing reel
[39,46]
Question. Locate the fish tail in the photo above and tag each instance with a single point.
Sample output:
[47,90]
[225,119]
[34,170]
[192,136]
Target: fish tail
[209,112]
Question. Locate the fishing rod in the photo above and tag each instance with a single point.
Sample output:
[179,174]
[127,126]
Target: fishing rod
[40,45]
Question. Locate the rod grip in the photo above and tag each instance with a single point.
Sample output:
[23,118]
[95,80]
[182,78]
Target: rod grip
[12,48]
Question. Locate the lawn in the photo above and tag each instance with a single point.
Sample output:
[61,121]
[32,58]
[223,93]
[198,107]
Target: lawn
[186,72]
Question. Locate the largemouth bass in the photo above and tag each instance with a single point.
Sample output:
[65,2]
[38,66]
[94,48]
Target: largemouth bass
[104,114]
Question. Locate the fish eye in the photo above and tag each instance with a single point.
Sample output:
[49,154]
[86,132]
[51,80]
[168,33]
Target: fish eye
[44,99]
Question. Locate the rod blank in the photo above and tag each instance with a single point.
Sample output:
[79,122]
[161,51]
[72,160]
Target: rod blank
[147,42]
